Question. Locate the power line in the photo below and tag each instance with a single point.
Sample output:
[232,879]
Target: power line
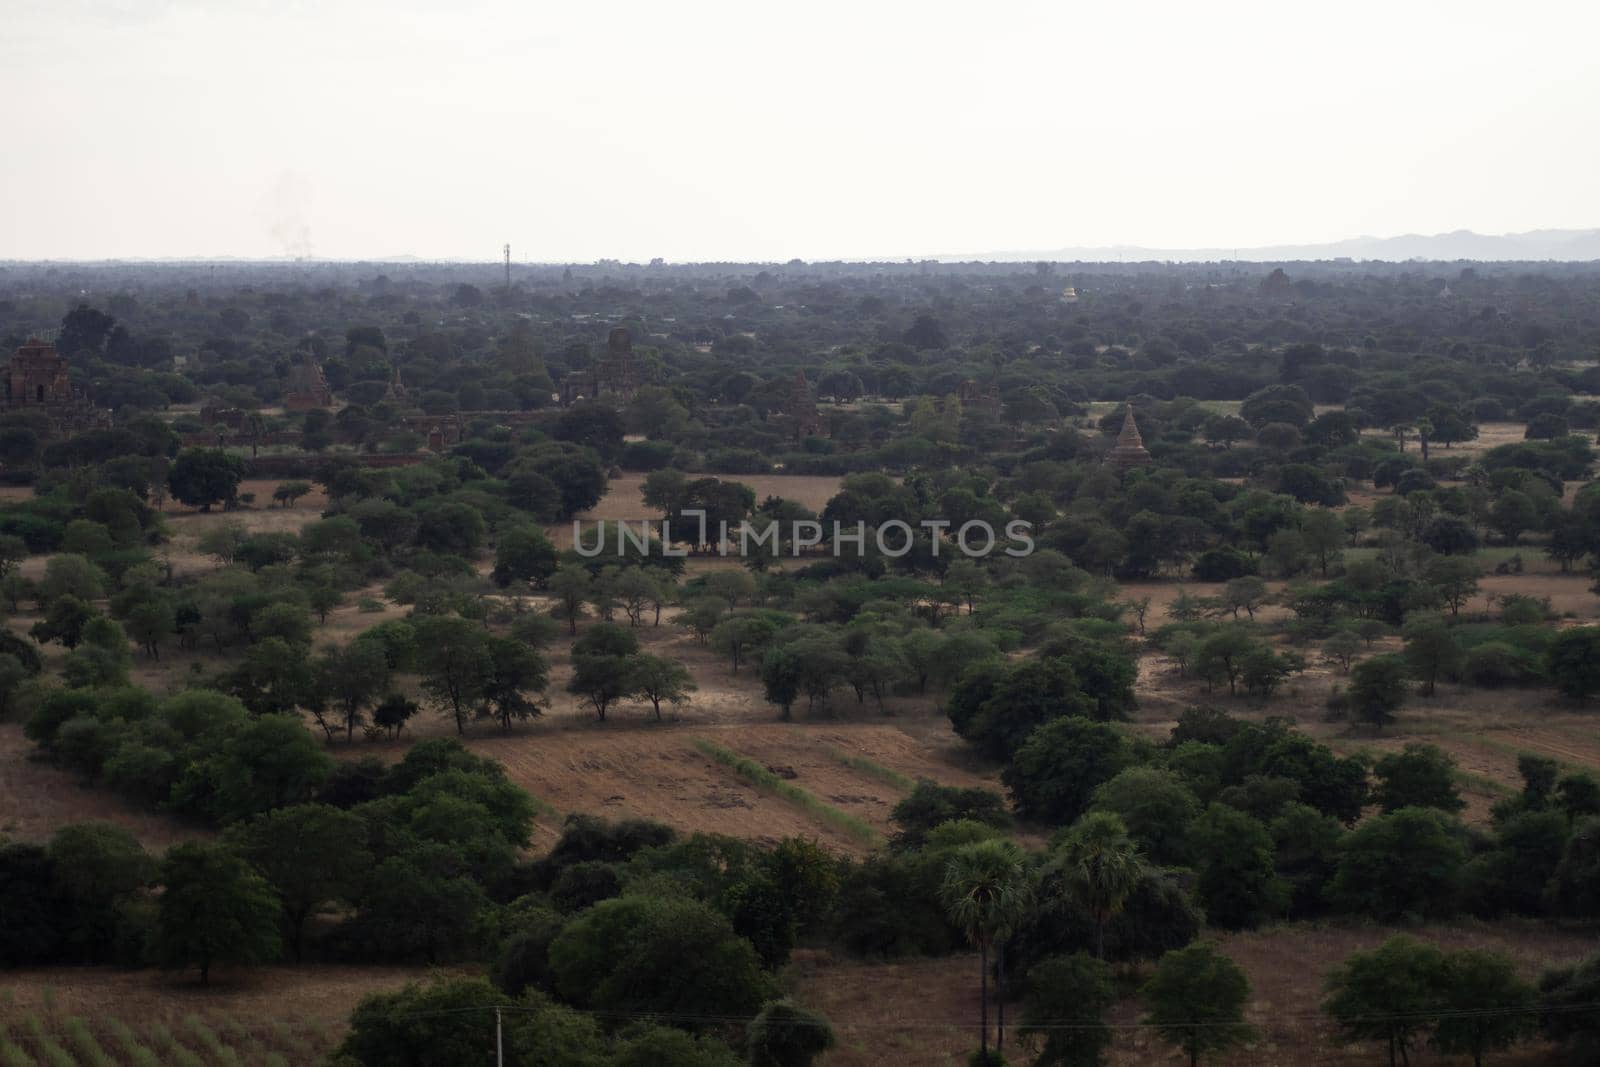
[497,1010]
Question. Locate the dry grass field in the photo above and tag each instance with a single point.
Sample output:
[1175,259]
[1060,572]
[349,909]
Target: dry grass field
[36,799]
[925,1012]
[260,1017]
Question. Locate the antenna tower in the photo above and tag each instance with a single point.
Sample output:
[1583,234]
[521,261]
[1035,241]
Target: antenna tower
[508,267]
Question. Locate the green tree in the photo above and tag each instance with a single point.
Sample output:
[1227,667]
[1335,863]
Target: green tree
[150,622]
[1024,697]
[323,598]
[1324,534]
[1237,881]
[64,621]
[102,657]
[1390,994]
[782,677]
[665,1046]
[1305,854]
[268,762]
[700,617]
[201,477]
[571,587]
[1575,885]
[72,575]
[1099,868]
[423,902]
[353,676]
[13,550]
[515,670]
[1157,808]
[1377,689]
[288,493]
[1067,999]
[288,621]
[786,1035]
[453,1021]
[1570,993]
[659,679]
[393,712]
[731,586]
[214,908]
[661,955]
[1342,648]
[1056,771]
[311,855]
[524,554]
[1486,1005]
[1513,513]
[1223,655]
[1402,865]
[1431,651]
[1573,660]
[930,804]
[602,666]
[739,635]
[986,892]
[1418,776]
[639,589]
[1245,594]
[455,661]
[1196,1000]
[96,870]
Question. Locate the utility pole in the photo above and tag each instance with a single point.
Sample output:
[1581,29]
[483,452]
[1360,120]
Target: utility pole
[499,1043]
[508,268]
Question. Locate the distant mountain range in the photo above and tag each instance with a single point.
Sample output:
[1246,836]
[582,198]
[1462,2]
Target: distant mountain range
[1563,245]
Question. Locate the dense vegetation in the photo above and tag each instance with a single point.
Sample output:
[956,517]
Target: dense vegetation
[1268,398]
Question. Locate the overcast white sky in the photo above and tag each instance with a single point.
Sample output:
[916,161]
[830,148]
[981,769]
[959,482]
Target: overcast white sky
[763,131]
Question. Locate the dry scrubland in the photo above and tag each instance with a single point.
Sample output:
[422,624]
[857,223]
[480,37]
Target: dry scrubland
[911,1012]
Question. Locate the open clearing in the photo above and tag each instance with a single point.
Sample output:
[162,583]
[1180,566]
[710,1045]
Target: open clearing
[654,771]
[37,799]
[624,501]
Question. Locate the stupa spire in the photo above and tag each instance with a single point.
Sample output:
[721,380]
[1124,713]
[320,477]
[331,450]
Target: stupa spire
[1129,451]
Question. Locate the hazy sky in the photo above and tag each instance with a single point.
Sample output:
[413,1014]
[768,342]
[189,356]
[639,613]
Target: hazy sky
[764,131]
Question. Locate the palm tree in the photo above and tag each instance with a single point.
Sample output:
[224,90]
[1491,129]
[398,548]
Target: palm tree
[1100,866]
[986,893]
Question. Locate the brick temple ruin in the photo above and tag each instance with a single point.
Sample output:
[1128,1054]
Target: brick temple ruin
[307,388]
[37,380]
[1129,451]
[975,397]
[800,409]
[615,377]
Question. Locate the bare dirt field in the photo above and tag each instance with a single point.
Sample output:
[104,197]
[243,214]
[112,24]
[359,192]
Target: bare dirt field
[1569,594]
[37,799]
[628,768]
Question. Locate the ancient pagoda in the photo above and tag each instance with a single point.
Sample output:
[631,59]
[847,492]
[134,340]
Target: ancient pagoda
[307,388]
[801,408]
[1129,451]
[36,380]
